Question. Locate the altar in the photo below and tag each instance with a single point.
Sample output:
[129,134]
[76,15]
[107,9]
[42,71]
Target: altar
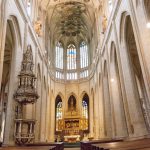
[73,125]
[72,138]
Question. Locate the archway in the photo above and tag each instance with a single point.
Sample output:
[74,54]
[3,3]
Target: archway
[58,113]
[119,120]
[72,103]
[85,112]
[135,65]
[7,62]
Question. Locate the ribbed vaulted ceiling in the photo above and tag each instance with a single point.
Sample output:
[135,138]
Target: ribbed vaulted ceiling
[70,20]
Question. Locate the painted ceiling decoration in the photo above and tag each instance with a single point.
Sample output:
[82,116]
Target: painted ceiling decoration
[70,20]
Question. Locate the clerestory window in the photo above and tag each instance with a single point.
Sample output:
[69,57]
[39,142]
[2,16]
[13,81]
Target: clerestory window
[83,55]
[71,57]
[59,56]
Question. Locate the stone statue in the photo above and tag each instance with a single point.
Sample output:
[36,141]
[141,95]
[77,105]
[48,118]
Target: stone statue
[72,105]
[38,27]
[104,23]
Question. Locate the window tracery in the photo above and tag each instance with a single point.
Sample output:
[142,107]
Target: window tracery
[83,55]
[59,55]
[71,57]
[85,109]
[58,111]
[71,76]
[84,74]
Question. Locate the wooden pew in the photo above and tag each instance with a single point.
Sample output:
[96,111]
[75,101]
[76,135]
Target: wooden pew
[52,148]
[58,145]
[124,145]
[28,148]
[87,145]
[96,148]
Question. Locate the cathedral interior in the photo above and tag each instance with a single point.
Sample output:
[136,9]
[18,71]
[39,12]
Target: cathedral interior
[73,71]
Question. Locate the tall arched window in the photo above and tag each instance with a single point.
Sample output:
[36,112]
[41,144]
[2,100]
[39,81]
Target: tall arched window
[83,55]
[71,57]
[85,111]
[59,56]
[58,109]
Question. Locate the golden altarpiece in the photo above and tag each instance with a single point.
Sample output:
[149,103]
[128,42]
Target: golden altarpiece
[74,123]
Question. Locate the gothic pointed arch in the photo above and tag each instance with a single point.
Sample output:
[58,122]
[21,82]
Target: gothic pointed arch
[59,53]
[116,94]
[71,56]
[135,61]
[58,112]
[106,101]
[85,111]
[72,103]
[11,46]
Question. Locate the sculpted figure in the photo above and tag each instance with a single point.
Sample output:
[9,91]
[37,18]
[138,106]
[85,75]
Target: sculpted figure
[104,23]
[72,105]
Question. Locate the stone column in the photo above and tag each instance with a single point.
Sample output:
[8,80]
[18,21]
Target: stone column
[101,110]
[52,124]
[91,101]
[43,112]
[96,111]
[120,129]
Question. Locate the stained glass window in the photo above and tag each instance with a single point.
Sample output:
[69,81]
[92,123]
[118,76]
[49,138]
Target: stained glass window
[70,62]
[58,114]
[59,56]
[83,55]
[59,110]
[71,57]
[85,109]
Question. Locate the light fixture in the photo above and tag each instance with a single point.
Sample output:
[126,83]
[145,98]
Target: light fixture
[148,25]
[110,2]
[112,80]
